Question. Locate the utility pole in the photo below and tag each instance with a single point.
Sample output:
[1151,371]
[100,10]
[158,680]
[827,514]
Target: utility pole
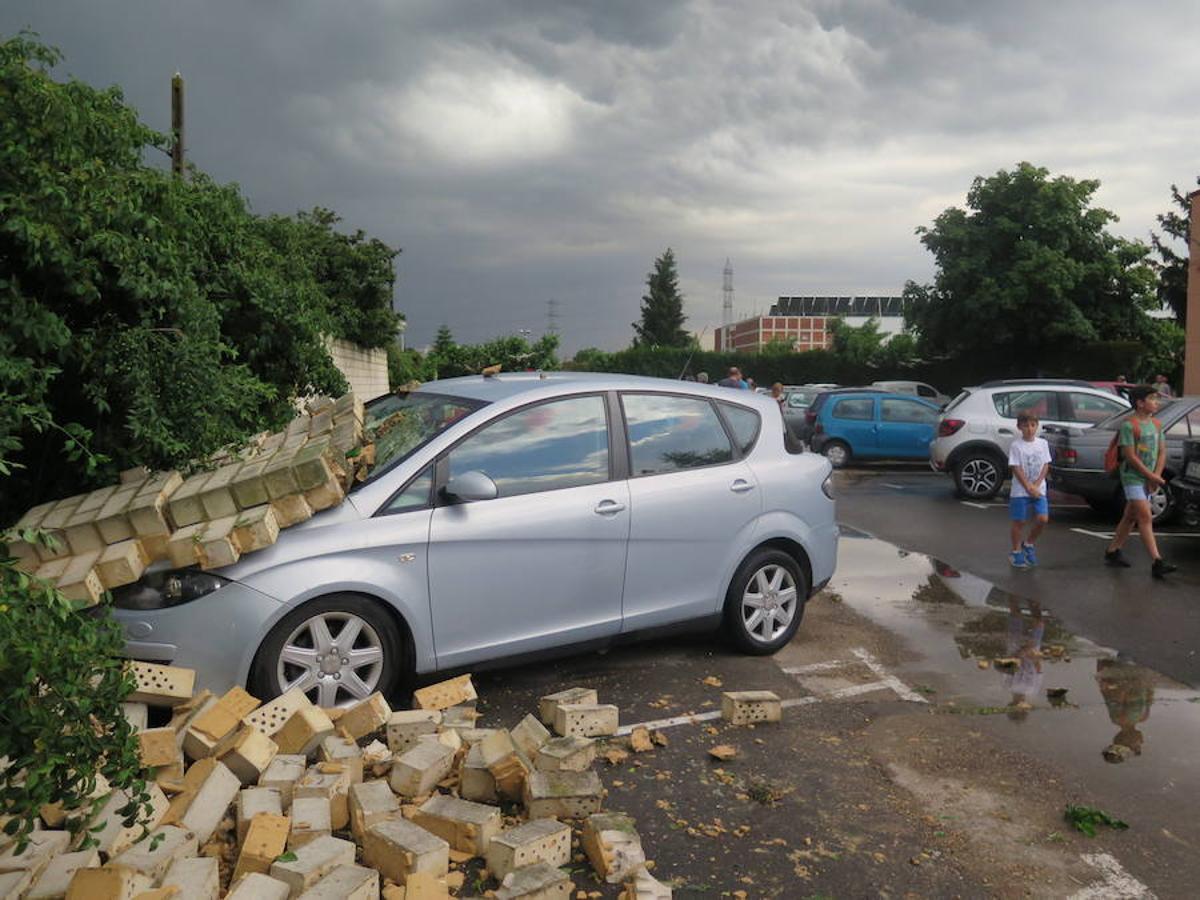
[177,125]
[552,316]
[1191,344]
[727,294]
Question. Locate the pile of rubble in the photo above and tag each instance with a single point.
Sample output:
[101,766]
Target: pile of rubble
[238,504]
[286,799]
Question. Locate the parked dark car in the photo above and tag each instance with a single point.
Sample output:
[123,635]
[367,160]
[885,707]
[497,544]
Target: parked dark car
[1186,487]
[1078,466]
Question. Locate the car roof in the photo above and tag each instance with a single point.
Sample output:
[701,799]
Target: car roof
[507,385]
[1047,382]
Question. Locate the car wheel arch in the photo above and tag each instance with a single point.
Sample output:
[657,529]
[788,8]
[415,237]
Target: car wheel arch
[976,447]
[792,548]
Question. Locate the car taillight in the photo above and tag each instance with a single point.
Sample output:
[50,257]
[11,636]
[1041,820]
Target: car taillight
[819,429]
[809,417]
[1070,456]
[947,427]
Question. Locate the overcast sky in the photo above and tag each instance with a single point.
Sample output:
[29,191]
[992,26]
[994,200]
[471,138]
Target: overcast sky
[524,151]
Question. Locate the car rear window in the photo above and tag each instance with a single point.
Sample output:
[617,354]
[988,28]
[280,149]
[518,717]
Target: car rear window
[744,423]
[957,400]
[1112,423]
[1040,402]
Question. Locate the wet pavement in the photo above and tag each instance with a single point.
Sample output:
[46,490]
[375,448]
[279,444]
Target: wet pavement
[909,763]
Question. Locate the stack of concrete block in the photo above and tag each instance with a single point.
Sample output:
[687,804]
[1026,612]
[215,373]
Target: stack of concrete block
[342,815]
[107,538]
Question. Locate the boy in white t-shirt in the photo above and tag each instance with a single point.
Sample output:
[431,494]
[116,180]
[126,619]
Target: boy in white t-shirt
[1029,459]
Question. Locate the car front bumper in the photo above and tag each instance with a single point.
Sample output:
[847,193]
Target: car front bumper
[217,635]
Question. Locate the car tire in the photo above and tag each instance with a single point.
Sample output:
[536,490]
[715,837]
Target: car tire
[766,577]
[302,651]
[1162,505]
[838,453]
[1106,507]
[978,476]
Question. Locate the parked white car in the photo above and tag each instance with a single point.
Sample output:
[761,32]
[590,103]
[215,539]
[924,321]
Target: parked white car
[978,426]
[915,389]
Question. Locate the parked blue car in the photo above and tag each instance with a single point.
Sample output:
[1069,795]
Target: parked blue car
[858,424]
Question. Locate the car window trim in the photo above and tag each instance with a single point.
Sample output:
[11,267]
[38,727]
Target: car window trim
[912,401]
[442,472]
[873,417]
[730,433]
[736,455]
[428,504]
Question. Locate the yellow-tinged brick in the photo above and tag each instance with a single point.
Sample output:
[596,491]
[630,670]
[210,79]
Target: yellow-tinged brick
[749,707]
[53,570]
[217,722]
[265,840]
[122,563]
[255,529]
[365,716]
[185,506]
[157,747]
[184,545]
[248,754]
[249,489]
[217,496]
[107,883]
[278,476]
[216,546]
[159,685]
[80,582]
[54,525]
[33,516]
[291,510]
[113,519]
[328,494]
[273,715]
[304,731]
[445,694]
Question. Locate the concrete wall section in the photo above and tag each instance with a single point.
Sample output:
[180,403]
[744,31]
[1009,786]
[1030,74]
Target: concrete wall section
[366,370]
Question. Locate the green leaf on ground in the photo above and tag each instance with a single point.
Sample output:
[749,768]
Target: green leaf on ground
[1086,818]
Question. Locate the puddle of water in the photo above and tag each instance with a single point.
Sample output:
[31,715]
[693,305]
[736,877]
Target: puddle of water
[1058,695]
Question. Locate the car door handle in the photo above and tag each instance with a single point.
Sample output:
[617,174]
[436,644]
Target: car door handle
[741,486]
[1006,431]
[608,507]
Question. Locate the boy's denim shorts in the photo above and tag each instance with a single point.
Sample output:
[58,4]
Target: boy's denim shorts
[1135,492]
[1022,509]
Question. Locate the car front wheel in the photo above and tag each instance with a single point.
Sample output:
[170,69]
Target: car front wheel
[978,477]
[765,602]
[837,453]
[338,650]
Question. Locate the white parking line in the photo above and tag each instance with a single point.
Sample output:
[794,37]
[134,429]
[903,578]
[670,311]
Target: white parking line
[894,487]
[892,681]
[1117,882]
[973,504]
[816,667]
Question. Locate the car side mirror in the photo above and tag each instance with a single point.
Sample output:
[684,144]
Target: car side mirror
[471,486]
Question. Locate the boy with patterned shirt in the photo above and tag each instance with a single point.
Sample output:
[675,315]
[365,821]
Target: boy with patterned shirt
[1143,455]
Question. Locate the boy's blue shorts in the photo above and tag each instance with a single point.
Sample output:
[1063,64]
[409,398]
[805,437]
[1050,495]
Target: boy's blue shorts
[1022,509]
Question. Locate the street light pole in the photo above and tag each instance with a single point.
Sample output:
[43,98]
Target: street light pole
[1191,342]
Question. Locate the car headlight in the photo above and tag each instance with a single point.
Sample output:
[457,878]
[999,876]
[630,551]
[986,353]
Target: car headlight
[827,486]
[166,588]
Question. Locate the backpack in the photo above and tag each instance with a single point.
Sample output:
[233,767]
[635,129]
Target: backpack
[1112,456]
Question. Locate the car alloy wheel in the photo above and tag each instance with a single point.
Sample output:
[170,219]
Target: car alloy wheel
[837,453]
[334,657]
[765,602]
[1162,505]
[978,477]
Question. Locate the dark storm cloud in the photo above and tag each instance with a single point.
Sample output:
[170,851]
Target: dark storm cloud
[522,151]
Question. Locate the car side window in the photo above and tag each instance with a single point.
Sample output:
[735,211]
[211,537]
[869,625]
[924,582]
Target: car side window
[1090,409]
[416,493]
[744,423]
[556,444]
[1179,428]
[906,411]
[856,408]
[1043,404]
[667,434]
[925,390]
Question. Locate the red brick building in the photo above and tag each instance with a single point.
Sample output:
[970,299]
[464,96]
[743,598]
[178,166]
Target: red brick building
[805,322]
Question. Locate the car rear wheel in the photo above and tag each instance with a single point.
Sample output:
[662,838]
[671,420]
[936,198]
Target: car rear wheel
[1162,505]
[338,650]
[765,602]
[978,476]
[837,453]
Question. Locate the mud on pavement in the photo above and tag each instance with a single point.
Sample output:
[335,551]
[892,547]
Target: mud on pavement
[902,767]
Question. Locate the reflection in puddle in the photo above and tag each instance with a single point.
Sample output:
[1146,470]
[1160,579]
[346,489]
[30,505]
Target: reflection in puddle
[1008,661]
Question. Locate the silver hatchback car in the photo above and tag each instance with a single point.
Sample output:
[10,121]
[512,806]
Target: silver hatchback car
[511,515]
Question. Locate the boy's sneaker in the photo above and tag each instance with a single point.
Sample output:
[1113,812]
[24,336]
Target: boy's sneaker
[1030,554]
[1017,558]
[1116,559]
[1161,568]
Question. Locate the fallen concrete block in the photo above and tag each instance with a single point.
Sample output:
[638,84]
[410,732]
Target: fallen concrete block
[112,521]
[349,404]
[282,774]
[157,747]
[247,754]
[54,524]
[194,879]
[644,886]
[345,752]
[272,716]
[107,829]
[217,722]
[345,883]
[311,819]
[459,718]
[184,506]
[586,719]
[80,530]
[209,789]
[445,694]
[256,801]
[540,881]
[321,424]
[217,548]
[314,463]
[13,885]
[42,847]
[539,841]
[529,734]
[365,717]
[405,726]
[467,827]
[52,570]
[613,846]
[161,685]
[304,731]
[506,763]
[80,582]
[255,529]
[370,803]
[291,510]
[185,713]
[217,495]
[55,879]
[417,771]
[329,494]
[184,545]
[266,839]
[566,754]
[751,707]
[108,883]
[575,695]
[278,477]
[248,487]
[122,563]
[313,862]
[566,795]
[476,781]
[155,854]
[397,848]
[259,887]
[137,715]
[332,783]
